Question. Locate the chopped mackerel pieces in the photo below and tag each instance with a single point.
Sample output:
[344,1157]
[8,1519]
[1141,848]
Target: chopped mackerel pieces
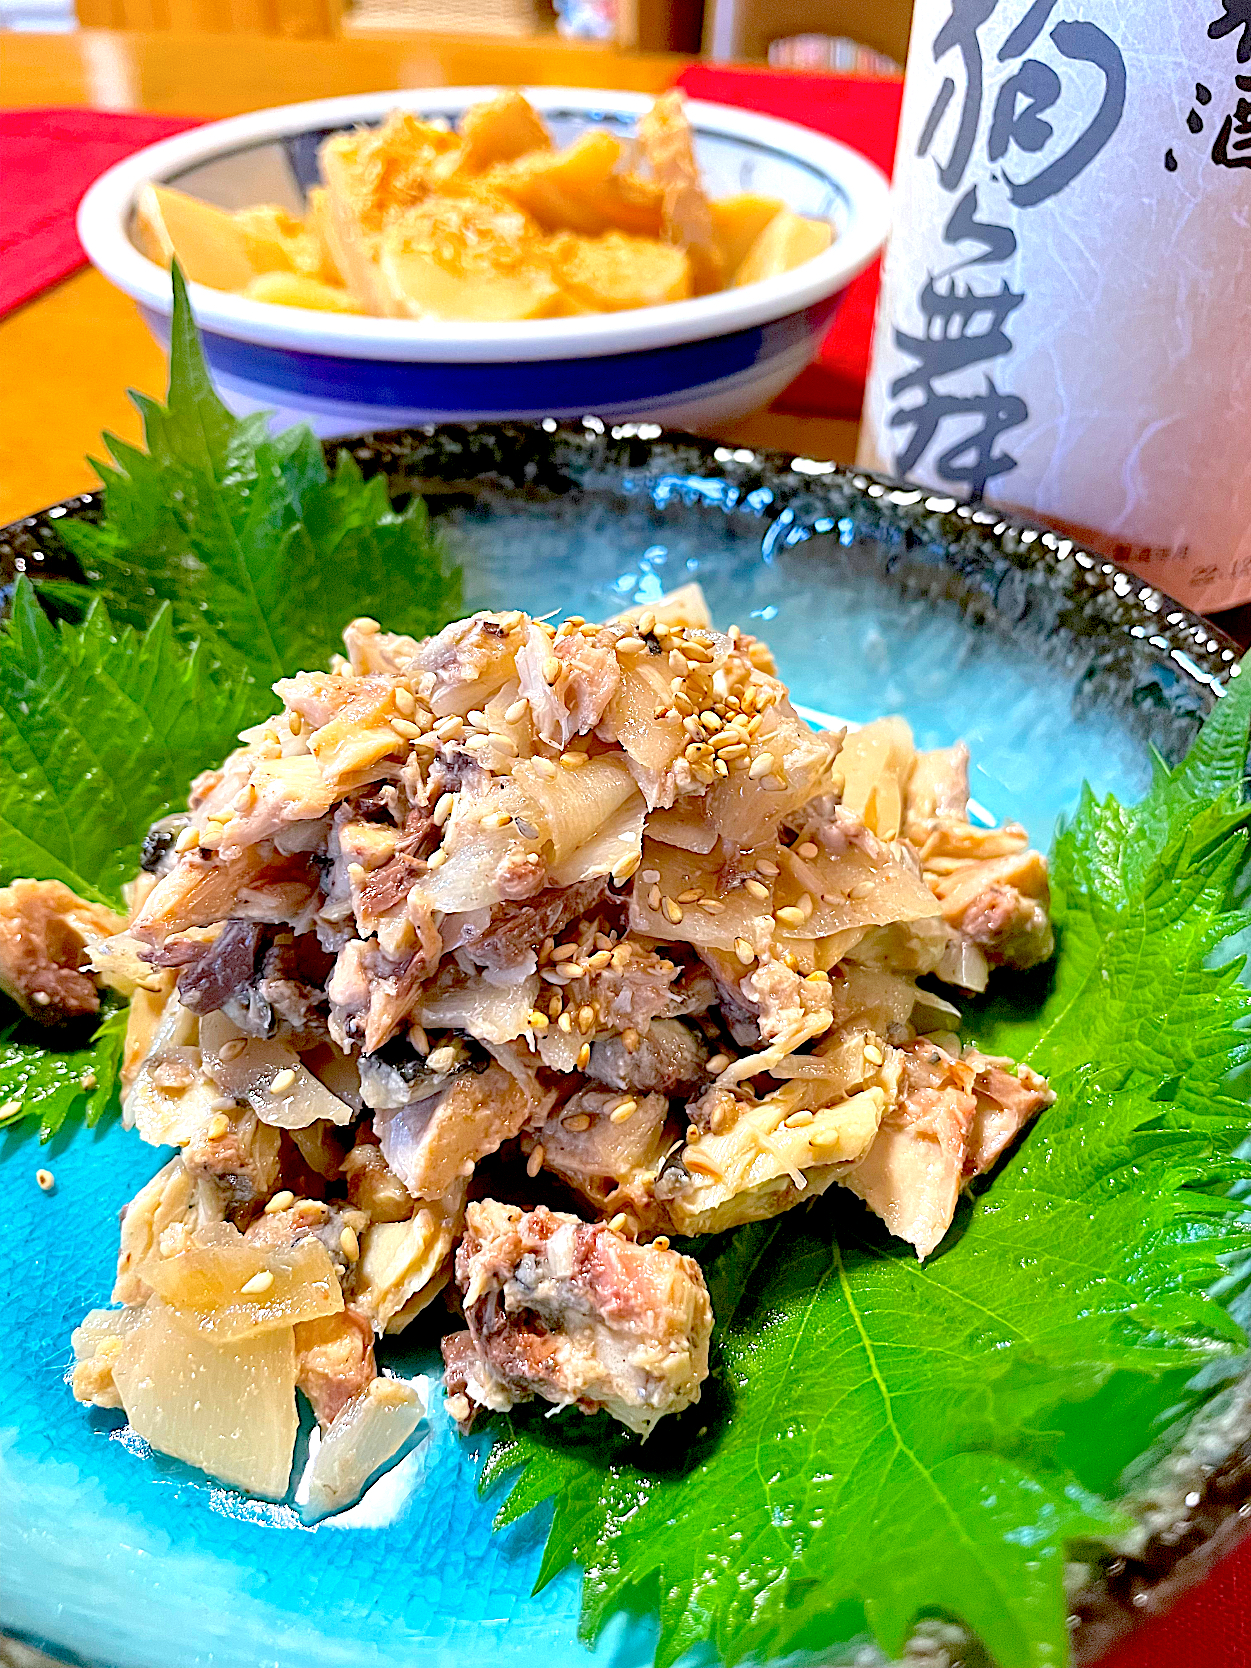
[577,1315]
[581,908]
[47,934]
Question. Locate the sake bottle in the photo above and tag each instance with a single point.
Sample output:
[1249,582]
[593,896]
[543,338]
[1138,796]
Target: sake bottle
[1064,324]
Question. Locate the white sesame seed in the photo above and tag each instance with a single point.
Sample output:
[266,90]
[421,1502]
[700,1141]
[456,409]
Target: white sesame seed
[577,1124]
[217,1126]
[765,867]
[623,1110]
[760,766]
[189,837]
[806,848]
[443,809]
[442,1059]
[756,889]
[282,1200]
[626,867]
[46,1180]
[233,1047]
[349,1244]
[717,1064]
[282,1081]
[11,1108]
[544,768]
[406,729]
[535,1161]
[437,859]
[515,713]
[790,916]
[551,669]
[260,1282]
[744,951]
[405,704]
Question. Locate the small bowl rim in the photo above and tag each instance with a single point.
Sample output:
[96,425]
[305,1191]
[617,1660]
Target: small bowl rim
[104,214]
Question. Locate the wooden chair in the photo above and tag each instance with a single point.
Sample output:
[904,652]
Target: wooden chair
[294,19]
[744,28]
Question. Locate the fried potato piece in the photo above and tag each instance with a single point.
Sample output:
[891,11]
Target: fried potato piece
[500,130]
[296,289]
[466,258]
[371,175]
[614,272]
[736,224]
[211,246]
[581,189]
[786,242]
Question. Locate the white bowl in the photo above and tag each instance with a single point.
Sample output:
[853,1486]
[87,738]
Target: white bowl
[707,359]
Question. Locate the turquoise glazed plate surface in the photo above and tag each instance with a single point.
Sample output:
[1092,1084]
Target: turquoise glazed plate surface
[1053,665]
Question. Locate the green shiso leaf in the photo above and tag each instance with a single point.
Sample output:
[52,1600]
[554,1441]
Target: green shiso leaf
[262,554]
[226,558]
[101,731]
[884,1439]
[51,1082]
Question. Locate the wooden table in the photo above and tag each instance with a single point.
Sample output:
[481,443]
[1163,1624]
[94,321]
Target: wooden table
[68,357]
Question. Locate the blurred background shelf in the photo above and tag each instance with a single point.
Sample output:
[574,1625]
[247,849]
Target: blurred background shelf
[863,36]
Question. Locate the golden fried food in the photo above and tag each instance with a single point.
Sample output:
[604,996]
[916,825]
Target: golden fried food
[488,224]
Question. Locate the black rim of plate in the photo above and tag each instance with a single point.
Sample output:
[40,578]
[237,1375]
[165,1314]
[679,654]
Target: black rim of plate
[996,565]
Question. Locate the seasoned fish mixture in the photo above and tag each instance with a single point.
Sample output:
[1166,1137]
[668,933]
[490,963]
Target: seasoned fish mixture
[486,967]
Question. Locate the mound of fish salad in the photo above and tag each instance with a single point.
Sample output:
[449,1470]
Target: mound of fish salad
[487,964]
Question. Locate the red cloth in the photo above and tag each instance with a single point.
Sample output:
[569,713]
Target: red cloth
[865,115]
[48,158]
[1208,1627]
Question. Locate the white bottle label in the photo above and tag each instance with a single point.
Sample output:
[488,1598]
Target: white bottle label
[1065,316]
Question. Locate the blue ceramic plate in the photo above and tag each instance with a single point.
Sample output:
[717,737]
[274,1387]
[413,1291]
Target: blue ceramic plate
[1055,667]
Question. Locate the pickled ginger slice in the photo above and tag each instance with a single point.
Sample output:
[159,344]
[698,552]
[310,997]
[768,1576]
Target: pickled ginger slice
[228,1408]
[366,1435]
[227,1287]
